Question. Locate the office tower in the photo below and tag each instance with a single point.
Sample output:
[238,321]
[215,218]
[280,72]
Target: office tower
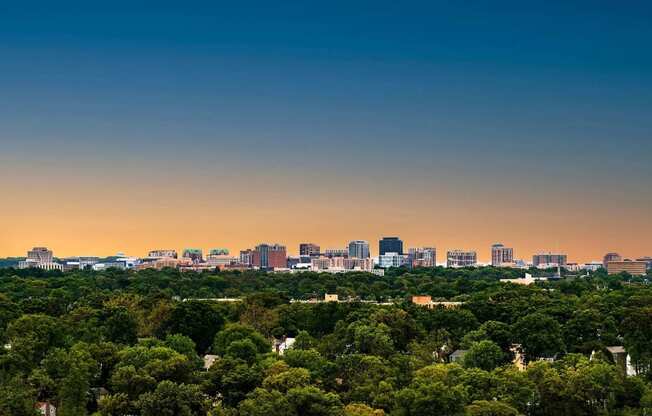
[548,260]
[390,245]
[609,257]
[308,249]
[359,249]
[501,255]
[423,257]
[461,258]
[389,259]
[40,255]
[635,268]
[194,254]
[269,256]
[171,254]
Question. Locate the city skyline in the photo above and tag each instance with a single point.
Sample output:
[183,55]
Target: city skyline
[483,256]
[455,125]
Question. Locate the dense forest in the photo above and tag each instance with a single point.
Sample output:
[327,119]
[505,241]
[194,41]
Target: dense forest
[134,343]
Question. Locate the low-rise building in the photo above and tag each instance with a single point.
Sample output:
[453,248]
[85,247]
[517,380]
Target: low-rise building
[635,268]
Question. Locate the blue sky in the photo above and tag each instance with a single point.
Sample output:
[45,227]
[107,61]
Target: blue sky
[539,98]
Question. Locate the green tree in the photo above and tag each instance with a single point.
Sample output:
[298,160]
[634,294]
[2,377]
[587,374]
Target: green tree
[485,355]
[311,401]
[32,336]
[490,408]
[170,399]
[198,320]
[239,332]
[539,335]
[263,402]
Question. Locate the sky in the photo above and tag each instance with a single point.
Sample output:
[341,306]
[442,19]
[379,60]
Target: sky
[126,127]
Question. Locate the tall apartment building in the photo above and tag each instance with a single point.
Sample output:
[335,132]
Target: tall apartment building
[359,249]
[170,254]
[609,257]
[501,255]
[635,268]
[269,256]
[194,254]
[390,245]
[423,257]
[308,249]
[461,258]
[548,260]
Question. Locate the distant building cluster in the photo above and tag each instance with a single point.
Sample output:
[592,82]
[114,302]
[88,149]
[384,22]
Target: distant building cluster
[354,256]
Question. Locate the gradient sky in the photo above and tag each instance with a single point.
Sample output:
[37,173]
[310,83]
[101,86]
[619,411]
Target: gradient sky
[209,124]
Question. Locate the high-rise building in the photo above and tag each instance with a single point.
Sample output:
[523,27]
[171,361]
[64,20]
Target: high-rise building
[423,257]
[501,255]
[609,257]
[461,258]
[269,256]
[635,268]
[308,249]
[390,245]
[548,260]
[359,249]
[171,254]
[40,255]
[194,254]
[389,259]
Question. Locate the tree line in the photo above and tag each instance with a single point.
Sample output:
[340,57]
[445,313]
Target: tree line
[133,343]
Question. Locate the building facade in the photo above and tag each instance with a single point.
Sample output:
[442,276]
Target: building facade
[158,254]
[194,254]
[647,260]
[390,245]
[40,255]
[461,258]
[501,255]
[635,268]
[309,249]
[359,249]
[609,257]
[389,259]
[548,260]
[423,257]
[269,256]
[336,252]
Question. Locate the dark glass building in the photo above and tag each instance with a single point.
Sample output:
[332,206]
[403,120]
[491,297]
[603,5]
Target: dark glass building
[390,245]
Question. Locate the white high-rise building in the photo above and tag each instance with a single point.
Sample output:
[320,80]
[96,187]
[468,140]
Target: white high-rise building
[359,249]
